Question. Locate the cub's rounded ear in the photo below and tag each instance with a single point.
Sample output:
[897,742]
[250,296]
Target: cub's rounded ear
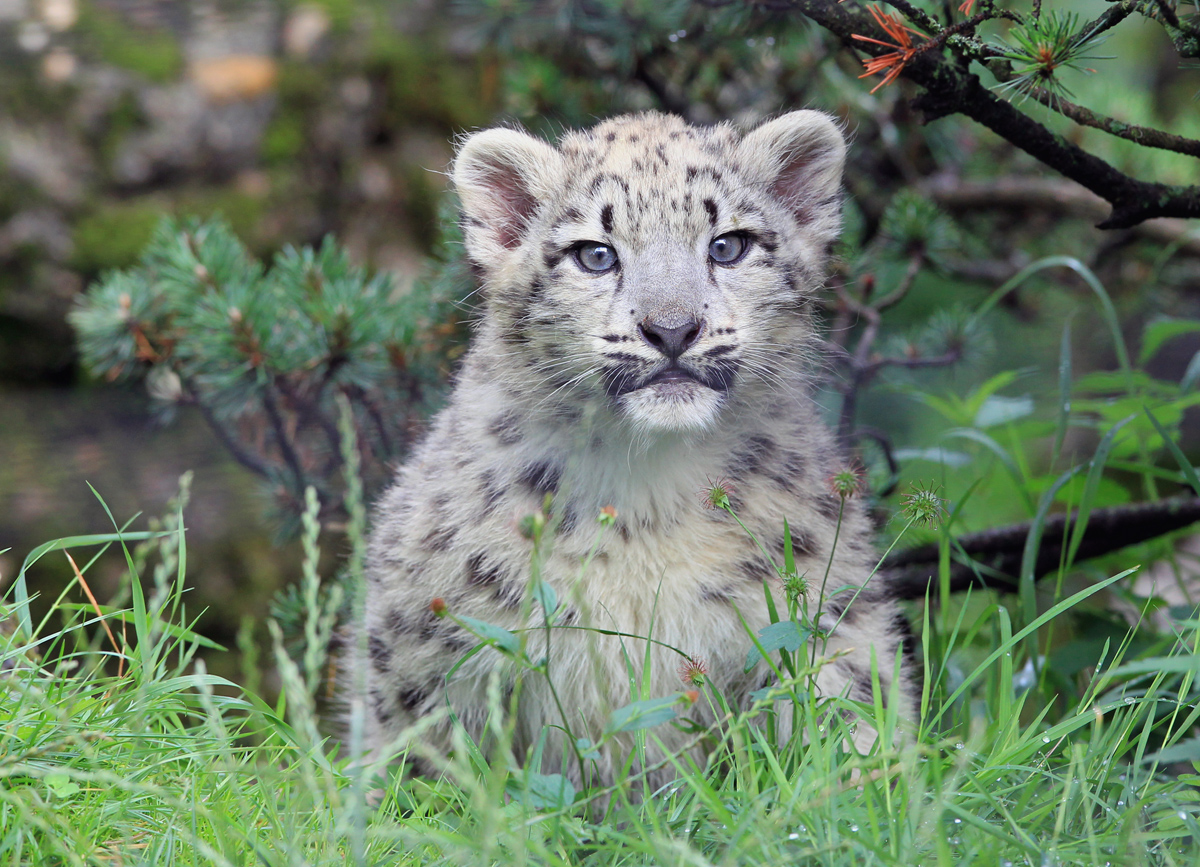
[799,157]
[502,177]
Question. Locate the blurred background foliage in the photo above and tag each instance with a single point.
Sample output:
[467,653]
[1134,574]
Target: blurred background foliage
[294,121]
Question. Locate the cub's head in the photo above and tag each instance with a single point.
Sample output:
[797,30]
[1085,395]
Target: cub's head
[663,269]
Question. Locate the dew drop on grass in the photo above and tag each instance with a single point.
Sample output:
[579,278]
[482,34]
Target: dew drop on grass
[1045,739]
[960,746]
[855,827]
[958,821]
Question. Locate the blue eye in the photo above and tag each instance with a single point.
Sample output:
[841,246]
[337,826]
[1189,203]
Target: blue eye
[728,248]
[596,257]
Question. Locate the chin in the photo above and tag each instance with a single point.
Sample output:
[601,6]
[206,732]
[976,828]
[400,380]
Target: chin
[674,406]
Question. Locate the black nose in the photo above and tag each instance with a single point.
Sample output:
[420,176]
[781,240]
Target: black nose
[671,342]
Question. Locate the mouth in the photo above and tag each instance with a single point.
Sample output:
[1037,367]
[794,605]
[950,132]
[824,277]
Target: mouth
[671,376]
[673,379]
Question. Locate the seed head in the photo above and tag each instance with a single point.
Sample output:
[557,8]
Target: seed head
[922,505]
[608,516]
[794,585]
[693,672]
[716,494]
[848,481]
[438,607]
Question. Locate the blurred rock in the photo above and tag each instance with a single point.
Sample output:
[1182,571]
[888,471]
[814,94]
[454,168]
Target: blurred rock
[303,29]
[42,229]
[54,163]
[236,77]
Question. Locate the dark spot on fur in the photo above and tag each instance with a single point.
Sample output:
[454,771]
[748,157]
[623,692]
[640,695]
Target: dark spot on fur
[438,539]
[793,465]
[396,622]
[541,477]
[711,207]
[492,492]
[479,572]
[750,458]
[830,506]
[755,571]
[612,136]
[514,335]
[716,594]
[570,520]
[860,684]
[803,542]
[908,641]
[623,529]
[380,653]
[606,218]
[566,412]
[506,428]
[411,698]
[508,594]
[380,708]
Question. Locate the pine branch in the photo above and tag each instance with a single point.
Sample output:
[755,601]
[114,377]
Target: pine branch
[992,558]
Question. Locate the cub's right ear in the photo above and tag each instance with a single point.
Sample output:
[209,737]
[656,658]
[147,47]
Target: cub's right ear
[502,177]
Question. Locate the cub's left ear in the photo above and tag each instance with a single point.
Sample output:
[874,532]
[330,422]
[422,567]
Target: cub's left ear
[799,157]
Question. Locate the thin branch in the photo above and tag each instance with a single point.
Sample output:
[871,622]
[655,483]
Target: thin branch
[668,100]
[1053,197]
[243,457]
[286,448]
[1143,135]
[992,558]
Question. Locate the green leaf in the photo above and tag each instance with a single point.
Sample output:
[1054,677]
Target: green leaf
[541,791]
[497,636]
[61,784]
[1188,751]
[783,635]
[934,454]
[1090,487]
[1158,333]
[789,555]
[587,749]
[997,409]
[1185,465]
[642,714]
[546,597]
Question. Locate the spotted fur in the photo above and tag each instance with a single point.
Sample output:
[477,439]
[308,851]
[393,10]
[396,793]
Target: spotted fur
[634,387]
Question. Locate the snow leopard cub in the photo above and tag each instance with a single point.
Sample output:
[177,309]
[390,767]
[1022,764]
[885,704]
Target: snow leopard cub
[647,290]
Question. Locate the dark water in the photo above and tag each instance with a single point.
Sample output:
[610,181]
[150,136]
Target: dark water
[54,442]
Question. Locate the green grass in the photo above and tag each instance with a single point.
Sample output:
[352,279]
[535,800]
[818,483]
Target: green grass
[117,747]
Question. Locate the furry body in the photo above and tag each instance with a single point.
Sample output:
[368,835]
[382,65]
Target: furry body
[636,386]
